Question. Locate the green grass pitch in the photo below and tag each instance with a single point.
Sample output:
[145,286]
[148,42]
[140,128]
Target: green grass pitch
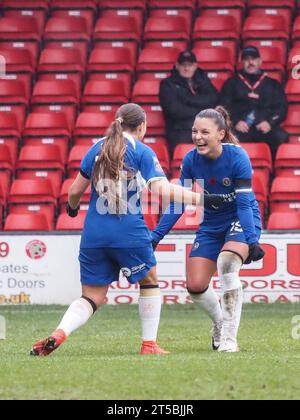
[101,360]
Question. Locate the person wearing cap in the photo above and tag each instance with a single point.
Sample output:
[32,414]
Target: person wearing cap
[257,103]
[183,95]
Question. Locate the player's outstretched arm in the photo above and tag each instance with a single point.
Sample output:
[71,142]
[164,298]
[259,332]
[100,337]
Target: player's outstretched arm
[175,193]
[76,191]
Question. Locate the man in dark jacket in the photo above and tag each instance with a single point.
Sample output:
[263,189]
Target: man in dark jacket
[183,95]
[257,103]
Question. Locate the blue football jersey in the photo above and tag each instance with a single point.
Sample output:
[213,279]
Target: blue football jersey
[226,176]
[128,230]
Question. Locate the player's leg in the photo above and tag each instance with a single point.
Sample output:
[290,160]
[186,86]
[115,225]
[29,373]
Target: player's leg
[230,262]
[149,310]
[97,272]
[77,315]
[199,274]
[141,268]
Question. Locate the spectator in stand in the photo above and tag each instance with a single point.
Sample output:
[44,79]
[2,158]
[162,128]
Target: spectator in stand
[183,95]
[257,103]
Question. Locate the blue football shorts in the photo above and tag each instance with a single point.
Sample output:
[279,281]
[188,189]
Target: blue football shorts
[102,266]
[210,241]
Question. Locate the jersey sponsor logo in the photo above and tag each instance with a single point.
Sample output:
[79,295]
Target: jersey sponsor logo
[227,182]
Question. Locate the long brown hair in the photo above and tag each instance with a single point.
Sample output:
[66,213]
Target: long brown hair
[222,118]
[110,165]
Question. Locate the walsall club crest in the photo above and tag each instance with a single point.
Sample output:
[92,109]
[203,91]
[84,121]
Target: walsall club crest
[227,182]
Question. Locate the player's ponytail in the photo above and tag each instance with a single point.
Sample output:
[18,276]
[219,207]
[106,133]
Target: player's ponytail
[230,136]
[110,170]
[222,118]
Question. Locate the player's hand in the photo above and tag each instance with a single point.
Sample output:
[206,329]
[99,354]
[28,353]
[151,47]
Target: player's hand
[264,127]
[242,127]
[213,201]
[256,253]
[72,212]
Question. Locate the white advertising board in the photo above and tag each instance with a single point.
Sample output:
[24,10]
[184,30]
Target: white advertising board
[42,269]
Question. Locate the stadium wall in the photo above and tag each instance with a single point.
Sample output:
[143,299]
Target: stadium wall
[44,269]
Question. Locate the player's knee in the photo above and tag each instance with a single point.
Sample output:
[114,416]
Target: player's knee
[196,291]
[229,266]
[150,279]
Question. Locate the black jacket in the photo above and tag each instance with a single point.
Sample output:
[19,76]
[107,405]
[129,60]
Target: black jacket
[271,105]
[180,104]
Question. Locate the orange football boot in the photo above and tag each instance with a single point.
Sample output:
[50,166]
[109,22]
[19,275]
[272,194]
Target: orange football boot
[151,347]
[45,347]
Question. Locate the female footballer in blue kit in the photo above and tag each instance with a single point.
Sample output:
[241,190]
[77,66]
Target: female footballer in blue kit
[229,235]
[115,236]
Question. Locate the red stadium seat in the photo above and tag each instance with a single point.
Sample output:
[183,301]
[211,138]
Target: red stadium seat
[155,122]
[86,9]
[20,33]
[118,31]
[285,195]
[171,29]
[284,221]
[63,199]
[112,64]
[10,133]
[157,60]
[2,205]
[27,223]
[41,162]
[267,28]
[296,32]
[71,32]
[77,153]
[13,98]
[179,154]
[151,140]
[111,60]
[32,197]
[186,13]
[136,13]
[36,9]
[287,163]
[214,29]
[261,159]
[272,8]
[217,8]
[6,168]
[172,4]
[215,59]
[146,92]
[293,91]
[218,79]
[90,127]
[62,64]
[151,220]
[65,223]
[56,96]
[20,66]
[98,93]
[51,128]
[292,124]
